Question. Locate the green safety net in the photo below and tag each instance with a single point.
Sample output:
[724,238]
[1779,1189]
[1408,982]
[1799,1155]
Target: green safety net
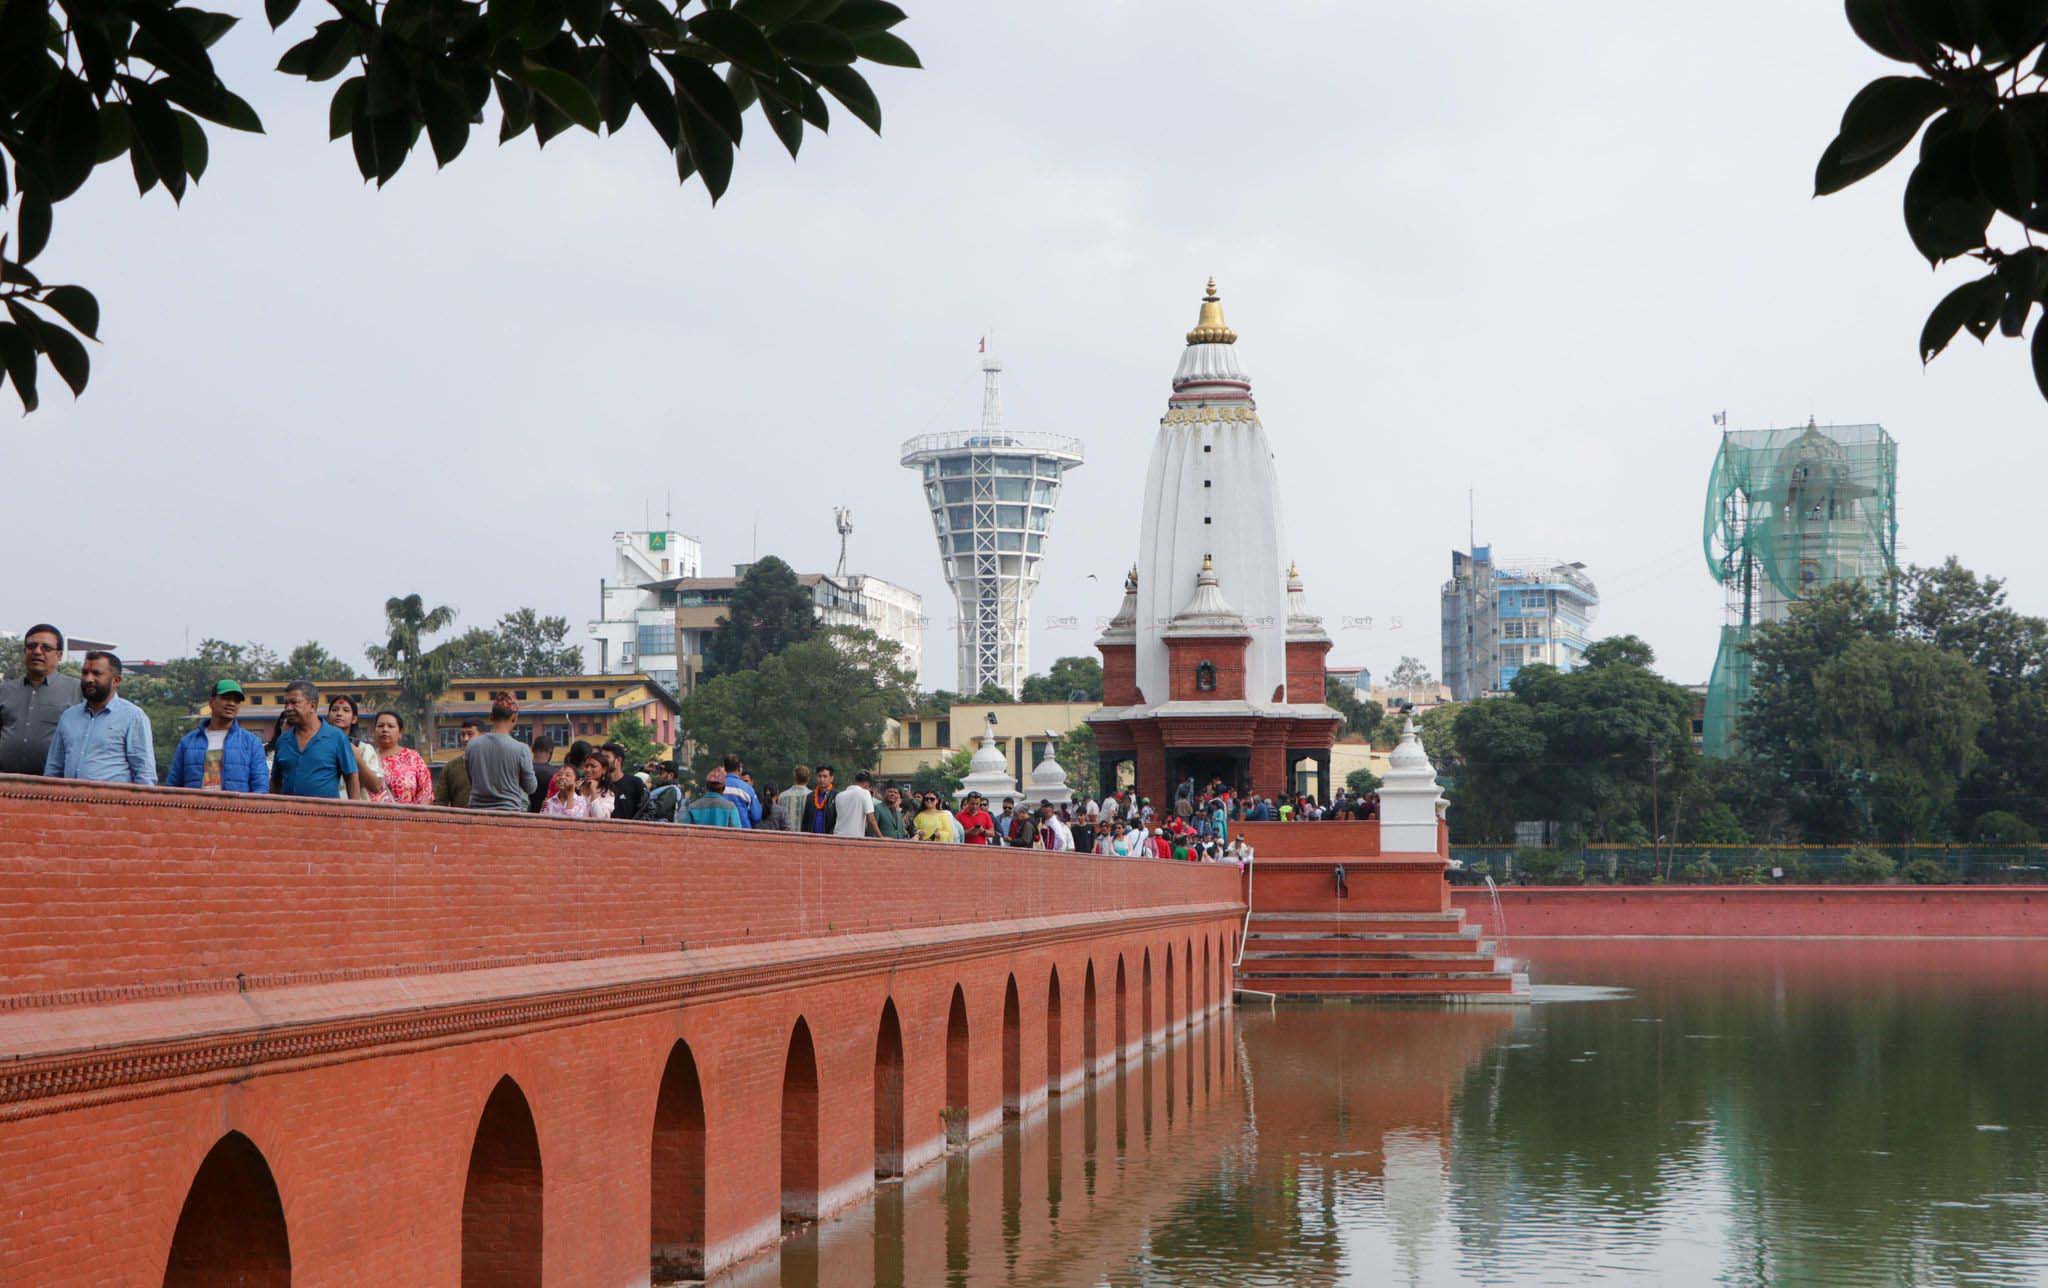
[1788,511]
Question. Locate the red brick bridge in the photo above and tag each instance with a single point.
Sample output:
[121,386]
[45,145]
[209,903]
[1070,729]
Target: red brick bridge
[259,1042]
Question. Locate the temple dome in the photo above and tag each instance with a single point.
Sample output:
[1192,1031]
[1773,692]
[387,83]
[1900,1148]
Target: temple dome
[1208,613]
[1048,778]
[1302,625]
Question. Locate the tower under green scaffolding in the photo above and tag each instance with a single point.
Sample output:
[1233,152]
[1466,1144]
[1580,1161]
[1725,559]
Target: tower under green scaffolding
[1789,511]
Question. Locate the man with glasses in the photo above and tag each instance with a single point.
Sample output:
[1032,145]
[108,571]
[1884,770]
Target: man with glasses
[220,755]
[30,706]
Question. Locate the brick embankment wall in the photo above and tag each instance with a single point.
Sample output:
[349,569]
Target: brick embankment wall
[377,1044]
[1795,912]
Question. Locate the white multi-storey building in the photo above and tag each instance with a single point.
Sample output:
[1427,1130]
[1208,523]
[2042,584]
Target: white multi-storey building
[634,630]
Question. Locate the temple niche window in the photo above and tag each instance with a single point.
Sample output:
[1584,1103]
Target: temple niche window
[1205,677]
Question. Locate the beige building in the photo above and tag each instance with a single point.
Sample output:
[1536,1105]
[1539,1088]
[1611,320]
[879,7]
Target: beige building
[914,741]
[563,708]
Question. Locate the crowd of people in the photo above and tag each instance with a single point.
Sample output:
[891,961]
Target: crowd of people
[63,726]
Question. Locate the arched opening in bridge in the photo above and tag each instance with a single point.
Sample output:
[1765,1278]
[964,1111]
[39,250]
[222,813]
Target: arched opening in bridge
[1013,1052]
[501,1202]
[231,1229]
[1145,998]
[1187,982]
[1169,988]
[676,1171]
[889,1094]
[956,1069]
[1088,1038]
[1052,1034]
[1123,1009]
[1207,997]
[800,1126]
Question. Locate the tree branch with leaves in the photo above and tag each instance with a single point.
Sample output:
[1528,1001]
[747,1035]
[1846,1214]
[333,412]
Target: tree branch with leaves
[84,83]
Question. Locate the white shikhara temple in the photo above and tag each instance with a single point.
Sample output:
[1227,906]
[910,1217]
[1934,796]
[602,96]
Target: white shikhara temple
[1214,667]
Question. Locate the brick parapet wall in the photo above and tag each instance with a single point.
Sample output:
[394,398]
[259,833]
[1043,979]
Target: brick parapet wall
[1764,911]
[109,892]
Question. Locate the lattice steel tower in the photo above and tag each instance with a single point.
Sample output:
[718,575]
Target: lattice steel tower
[992,492]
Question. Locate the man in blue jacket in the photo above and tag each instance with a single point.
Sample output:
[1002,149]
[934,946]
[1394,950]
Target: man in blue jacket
[220,755]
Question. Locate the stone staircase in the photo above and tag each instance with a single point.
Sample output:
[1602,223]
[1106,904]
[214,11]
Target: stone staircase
[1397,956]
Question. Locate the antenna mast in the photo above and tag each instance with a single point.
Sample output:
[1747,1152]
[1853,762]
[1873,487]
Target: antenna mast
[842,519]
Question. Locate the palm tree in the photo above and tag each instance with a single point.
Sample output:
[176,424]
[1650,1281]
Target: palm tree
[422,673]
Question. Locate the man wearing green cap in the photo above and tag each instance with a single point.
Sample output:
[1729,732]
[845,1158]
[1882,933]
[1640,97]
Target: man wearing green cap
[220,755]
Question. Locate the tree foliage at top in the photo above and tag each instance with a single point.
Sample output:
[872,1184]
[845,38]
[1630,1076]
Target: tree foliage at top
[827,699]
[1361,715]
[522,643]
[421,671]
[1604,749]
[1982,72]
[1868,728]
[770,611]
[1068,679]
[1411,673]
[84,83]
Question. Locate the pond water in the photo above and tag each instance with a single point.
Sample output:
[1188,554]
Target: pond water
[1675,1112]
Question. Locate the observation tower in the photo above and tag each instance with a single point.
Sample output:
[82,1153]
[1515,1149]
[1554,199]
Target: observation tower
[992,492]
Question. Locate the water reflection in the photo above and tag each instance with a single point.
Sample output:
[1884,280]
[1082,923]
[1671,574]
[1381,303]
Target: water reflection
[1797,1113]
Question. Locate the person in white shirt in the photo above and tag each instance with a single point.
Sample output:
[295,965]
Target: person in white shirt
[854,808]
[1053,832]
[1136,843]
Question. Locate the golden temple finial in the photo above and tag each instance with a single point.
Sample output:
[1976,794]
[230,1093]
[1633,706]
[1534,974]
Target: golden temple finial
[1131,581]
[1209,326]
[1208,564]
[1293,571]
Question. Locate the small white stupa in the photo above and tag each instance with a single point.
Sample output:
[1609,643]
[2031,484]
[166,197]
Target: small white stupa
[988,773]
[1048,783]
[1411,800]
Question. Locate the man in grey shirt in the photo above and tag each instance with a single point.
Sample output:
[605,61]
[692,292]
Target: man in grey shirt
[29,707]
[500,766]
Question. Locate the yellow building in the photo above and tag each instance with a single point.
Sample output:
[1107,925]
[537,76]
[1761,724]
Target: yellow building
[925,738]
[561,708]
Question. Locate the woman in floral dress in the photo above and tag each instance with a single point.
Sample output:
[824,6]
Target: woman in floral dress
[407,781]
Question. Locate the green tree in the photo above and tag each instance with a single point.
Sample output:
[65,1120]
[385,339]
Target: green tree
[86,84]
[632,733]
[827,699]
[1606,750]
[10,655]
[1954,609]
[311,661]
[1900,718]
[1411,674]
[942,776]
[1984,153]
[1064,679]
[770,611]
[1362,782]
[1076,753]
[188,680]
[522,643]
[1628,649]
[422,672]
[1361,715]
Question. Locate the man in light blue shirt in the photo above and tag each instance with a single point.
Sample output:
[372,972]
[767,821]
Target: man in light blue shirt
[106,738]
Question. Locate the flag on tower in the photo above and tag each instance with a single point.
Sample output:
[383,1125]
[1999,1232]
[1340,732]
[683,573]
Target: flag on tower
[983,346]
[1721,419]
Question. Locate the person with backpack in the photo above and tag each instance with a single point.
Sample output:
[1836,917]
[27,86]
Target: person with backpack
[665,802]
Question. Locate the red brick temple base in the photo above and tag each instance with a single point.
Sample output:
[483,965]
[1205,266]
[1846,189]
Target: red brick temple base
[1334,919]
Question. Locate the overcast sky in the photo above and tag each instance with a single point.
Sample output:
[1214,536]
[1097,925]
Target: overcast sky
[1526,249]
